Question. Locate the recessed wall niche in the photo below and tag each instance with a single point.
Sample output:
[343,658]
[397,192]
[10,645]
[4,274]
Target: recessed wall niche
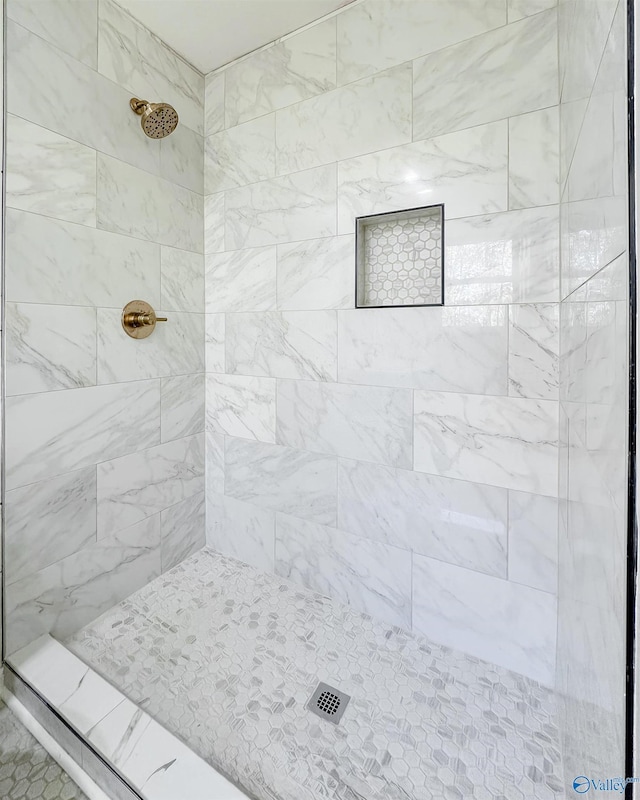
[399,258]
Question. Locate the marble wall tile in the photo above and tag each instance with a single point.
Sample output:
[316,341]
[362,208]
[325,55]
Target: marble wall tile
[44,350]
[50,261]
[133,57]
[517,9]
[503,258]
[71,25]
[448,349]
[369,576]
[214,353]
[214,223]
[365,116]
[182,159]
[176,347]
[483,79]
[139,204]
[502,441]
[294,207]
[282,479]
[139,485]
[496,620]
[283,344]
[465,170]
[51,433]
[373,36]
[48,521]
[316,274]
[366,423]
[241,155]
[182,530]
[182,406]
[242,280]
[214,463]
[242,531]
[49,174]
[533,541]
[300,66]
[213,103]
[455,521]
[533,351]
[182,279]
[534,159]
[241,406]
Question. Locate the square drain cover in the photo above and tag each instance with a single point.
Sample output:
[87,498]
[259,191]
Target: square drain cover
[328,703]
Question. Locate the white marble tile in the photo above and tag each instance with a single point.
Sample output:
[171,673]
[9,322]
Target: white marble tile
[242,280]
[241,155]
[283,344]
[50,261]
[373,36]
[517,9]
[241,406]
[316,274]
[183,530]
[139,485]
[480,80]
[447,349]
[139,204]
[214,223]
[214,463]
[466,170]
[503,258]
[294,207]
[299,67]
[534,159]
[502,441]
[175,347]
[49,347]
[71,25]
[366,575]
[493,619]
[132,57]
[214,343]
[182,280]
[213,103]
[182,159]
[455,521]
[533,351]
[533,541]
[242,531]
[51,433]
[365,116]
[91,700]
[571,117]
[181,406]
[47,521]
[363,422]
[49,174]
[281,479]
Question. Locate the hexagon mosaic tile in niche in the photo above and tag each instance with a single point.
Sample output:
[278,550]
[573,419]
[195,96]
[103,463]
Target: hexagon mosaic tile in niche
[399,258]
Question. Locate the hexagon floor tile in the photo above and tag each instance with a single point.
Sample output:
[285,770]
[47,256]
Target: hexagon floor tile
[226,657]
[27,771]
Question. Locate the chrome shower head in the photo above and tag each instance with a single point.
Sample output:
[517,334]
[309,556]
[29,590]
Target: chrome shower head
[157,119]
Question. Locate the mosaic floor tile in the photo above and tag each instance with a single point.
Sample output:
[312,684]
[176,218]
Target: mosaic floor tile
[227,657]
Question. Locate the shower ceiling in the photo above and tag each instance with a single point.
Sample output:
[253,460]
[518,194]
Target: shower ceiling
[210,33]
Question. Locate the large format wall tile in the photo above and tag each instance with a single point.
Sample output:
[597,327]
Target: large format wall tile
[49,174]
[315,274]
[533,541]
[517,9]
[241,406]
[56,432]
[367,575]
[182,406]
[214,103]
[287,344]
[214,223]
[447,349]
[241,155]
[367,423]
[243,280]
[533,351]
[182,530]
[499,74]
[182,278]
[534,159]
[214,333]
[282,479]
[503,441]
[242,531]
[466,170]
[182,159]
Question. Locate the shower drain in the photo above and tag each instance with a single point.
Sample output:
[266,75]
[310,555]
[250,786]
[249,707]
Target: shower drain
[328,703]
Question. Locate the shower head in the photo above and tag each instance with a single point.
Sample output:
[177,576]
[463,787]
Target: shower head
[158,119]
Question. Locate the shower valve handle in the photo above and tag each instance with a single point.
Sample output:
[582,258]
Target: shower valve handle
[139,319]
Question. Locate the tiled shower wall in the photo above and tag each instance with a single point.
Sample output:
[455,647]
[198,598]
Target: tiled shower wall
[593,385]
[401,460]
[105,443]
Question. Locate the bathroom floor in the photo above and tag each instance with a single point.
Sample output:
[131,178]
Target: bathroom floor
[227,657]
[27,771]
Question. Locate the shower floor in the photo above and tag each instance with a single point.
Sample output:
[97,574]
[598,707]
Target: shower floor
[226,657]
